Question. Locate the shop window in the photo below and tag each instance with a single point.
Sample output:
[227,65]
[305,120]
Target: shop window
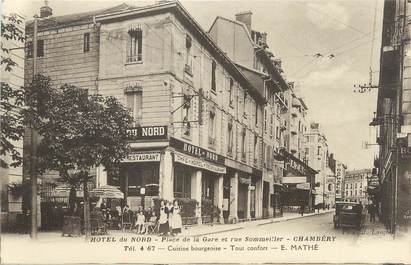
[135,105]
[86,42]
[182,183]
[207,187]
[135,45]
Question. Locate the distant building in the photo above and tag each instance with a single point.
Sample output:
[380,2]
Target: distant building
[355,185]
[316,148]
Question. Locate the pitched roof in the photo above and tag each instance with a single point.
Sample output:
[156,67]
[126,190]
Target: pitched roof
[75,19]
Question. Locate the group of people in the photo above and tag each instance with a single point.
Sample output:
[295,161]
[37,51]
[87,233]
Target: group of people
[169,220]
[166,220]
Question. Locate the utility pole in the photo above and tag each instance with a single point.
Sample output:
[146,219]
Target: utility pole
[33,155]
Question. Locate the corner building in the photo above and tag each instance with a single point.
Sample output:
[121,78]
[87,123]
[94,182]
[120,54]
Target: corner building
[196,130]
[172,75]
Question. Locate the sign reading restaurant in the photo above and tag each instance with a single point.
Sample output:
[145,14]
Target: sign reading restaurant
[147,133]
[196,151]
[142,157]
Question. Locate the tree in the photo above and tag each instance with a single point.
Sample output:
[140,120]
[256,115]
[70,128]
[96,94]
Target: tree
[11,98]
[78,131]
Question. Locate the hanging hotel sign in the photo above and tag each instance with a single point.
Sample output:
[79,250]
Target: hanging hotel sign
[294,164]
[196,151]
[142,157]
[197,162]
[338,180]
[147,133]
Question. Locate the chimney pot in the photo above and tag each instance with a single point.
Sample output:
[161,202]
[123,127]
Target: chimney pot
[45,11]
[245,17]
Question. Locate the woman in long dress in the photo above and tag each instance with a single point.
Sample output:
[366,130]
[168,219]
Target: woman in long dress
[163,219]
[176,221]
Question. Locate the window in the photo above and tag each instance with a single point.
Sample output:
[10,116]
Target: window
[213,76]
[255,149]
[86,42]
[135,105]
[135,45]
[211,129]
[231,91]
[271,124]
[265,120]
[230,141]
[256,114]
[188,66]
[318,150]
[244,101]
[40,49]
[243,145]
[277,132]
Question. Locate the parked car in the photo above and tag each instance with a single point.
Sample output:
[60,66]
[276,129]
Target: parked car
[349,214]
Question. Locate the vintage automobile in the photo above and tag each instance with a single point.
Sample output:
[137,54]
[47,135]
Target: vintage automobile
[349,214]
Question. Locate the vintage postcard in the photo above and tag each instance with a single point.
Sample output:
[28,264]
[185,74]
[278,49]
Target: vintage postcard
[205,131]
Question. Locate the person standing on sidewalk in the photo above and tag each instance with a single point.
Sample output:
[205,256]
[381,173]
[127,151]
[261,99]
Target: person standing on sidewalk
[371,211]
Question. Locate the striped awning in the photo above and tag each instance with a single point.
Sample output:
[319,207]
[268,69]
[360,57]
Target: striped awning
[107,192]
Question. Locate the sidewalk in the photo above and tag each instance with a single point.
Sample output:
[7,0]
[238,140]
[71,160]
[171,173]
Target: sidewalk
[208,229]
[196,230]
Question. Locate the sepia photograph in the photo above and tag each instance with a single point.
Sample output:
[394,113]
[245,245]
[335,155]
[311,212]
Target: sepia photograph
[204,131]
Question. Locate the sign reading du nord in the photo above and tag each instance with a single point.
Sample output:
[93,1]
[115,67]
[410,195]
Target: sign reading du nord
[147,133]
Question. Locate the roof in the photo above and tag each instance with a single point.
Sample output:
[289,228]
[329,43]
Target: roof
[195,29]
[256,78]
[239,23]
[264,53]
[74,19]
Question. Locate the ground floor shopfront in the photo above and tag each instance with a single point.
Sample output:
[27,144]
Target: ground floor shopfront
[178,169]
[298,192]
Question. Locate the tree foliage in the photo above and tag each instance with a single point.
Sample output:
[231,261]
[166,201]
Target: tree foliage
[78,130]
[11,98]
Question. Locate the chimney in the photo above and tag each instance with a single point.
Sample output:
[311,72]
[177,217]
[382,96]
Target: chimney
[45,11]
[245,17]
[264,37]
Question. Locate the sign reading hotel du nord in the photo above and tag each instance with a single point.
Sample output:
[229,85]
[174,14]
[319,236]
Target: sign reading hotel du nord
[196,151]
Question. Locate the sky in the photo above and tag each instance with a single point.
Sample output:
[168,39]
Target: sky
[345,35]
